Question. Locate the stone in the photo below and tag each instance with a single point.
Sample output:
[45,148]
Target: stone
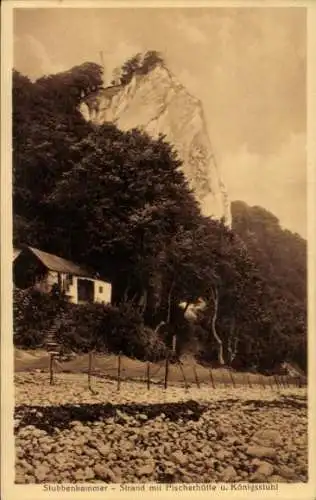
[209,463]
[142,416]
[211,433]
[19,451]
[127,445]
[228,474]
[179,457]
[79,475]
[146,470]
[260,451]
[29,479]
[75,423]
[104,473]
[46,448]
[275,478]
[223,430]
[30,428]
[90,452]
[243,474]
[37,433]
[256,462]
[27,466]
[286,472]
[104,449]
[222,455]
[41,472]
[89,473]
[117,474]
[265,469]
[267,437]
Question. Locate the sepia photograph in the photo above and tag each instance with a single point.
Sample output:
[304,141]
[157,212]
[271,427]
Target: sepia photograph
[158,253]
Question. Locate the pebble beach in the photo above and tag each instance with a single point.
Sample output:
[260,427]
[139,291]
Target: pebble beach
[65,433]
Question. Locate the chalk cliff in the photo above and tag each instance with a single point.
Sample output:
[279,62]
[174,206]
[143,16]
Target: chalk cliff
[159,104]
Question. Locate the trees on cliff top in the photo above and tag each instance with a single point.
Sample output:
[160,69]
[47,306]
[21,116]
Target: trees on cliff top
[139,64]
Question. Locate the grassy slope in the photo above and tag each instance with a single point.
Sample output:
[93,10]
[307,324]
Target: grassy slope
[132,369]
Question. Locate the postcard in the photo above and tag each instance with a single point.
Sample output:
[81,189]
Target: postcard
[158,249]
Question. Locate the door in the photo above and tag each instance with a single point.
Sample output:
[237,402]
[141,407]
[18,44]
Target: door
[85,290]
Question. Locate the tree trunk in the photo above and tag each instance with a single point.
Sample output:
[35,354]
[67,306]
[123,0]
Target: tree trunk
[229,340]
[169,302]
[162,323]
[214,332]
[143,301]
[126,292]
[159,326]
[232,342]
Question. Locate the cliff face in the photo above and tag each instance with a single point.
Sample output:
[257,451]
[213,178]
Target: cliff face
[158,104]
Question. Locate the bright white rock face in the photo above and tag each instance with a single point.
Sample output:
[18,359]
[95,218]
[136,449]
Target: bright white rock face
[158,104]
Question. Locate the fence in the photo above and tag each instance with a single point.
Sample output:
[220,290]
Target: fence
[164,373]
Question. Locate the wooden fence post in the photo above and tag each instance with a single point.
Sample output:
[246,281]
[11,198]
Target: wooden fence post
[51,370]
[183,375]
[148,375]
[89,371]
[119,372]
[232,378]
[212,379]
[263,382]
[196,377]
[249,381]
[276,381]
[166,372]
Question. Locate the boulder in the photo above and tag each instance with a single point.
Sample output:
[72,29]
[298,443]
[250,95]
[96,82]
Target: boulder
[267,437]
[260,451]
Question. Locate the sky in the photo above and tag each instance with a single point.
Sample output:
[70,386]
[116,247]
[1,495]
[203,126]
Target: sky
[246,65]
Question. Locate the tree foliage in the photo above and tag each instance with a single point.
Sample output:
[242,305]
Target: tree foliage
[281,258]
[139,64]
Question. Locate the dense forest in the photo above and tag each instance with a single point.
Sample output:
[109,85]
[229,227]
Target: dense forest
[119,203]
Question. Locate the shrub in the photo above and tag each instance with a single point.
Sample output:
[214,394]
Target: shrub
[34,313]
[109,328]
[81,328]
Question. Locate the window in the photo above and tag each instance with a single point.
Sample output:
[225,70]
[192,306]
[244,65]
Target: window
[100,289]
